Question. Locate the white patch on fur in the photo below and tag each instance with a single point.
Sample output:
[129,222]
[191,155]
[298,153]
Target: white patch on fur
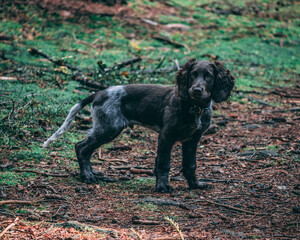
[111,109]
[74,110]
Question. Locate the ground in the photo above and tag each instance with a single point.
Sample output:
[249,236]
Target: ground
[250,155]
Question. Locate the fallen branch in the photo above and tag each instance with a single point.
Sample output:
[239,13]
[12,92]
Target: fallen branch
[43,173]
[284,94]
[168,41]
[124,64]
[228,206]
[59,62]
[9,227]
[89,83]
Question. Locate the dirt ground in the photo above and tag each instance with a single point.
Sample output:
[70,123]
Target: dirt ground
[250,155]
[254,194]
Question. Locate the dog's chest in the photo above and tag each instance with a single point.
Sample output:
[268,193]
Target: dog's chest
[187,131]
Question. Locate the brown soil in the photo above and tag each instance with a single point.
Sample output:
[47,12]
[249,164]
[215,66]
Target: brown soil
[251,160]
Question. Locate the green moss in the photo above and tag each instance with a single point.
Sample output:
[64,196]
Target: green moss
[12,178]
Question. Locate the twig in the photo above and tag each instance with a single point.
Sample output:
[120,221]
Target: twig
[127,167]
[16,202]
[161,62]
[124,64]
[284,94]
[75,51]
[169,41]
[149,22]
[9,227]
[84,42]
[85,81]
[264,103]
[59,62]
[8,78]
[43,173]
[227,206]
[109,160]
[142,171]
[157,71]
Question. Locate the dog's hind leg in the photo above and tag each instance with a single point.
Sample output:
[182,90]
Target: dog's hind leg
[85,149]
[108,122]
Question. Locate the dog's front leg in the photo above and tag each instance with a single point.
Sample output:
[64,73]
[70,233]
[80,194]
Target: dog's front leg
[162,164]
[189,164]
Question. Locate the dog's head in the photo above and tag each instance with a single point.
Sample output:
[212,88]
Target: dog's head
[202,81]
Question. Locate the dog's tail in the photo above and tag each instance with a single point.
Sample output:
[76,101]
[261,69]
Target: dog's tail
[74,110]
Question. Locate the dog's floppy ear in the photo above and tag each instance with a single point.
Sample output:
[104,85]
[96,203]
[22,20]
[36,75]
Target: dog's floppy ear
[182,79]
[223,83]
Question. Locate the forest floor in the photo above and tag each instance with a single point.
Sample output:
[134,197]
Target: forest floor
[250,155]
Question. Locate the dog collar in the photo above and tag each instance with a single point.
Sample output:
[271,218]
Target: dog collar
[196,110]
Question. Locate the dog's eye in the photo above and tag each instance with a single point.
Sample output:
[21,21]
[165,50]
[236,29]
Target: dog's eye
[209,77]
[194,75]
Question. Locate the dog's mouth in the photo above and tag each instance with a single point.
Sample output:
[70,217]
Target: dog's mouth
[199,97]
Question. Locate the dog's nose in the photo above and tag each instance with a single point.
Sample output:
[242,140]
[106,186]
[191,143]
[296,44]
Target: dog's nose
[198,90]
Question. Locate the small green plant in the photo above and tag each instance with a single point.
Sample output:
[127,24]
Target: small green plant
[272,147]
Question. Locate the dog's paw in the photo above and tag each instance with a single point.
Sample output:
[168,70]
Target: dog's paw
[89,178]
[163,188]
[200,185]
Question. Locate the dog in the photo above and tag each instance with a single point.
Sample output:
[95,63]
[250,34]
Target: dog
[180,113]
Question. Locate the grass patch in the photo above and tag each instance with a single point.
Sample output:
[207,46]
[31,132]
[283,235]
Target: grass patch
[13,178]
[260,51]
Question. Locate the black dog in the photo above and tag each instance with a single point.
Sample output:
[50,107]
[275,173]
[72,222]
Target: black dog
[178,113]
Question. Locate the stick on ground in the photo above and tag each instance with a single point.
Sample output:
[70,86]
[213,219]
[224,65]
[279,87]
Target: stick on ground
[9,227]
[15,202]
